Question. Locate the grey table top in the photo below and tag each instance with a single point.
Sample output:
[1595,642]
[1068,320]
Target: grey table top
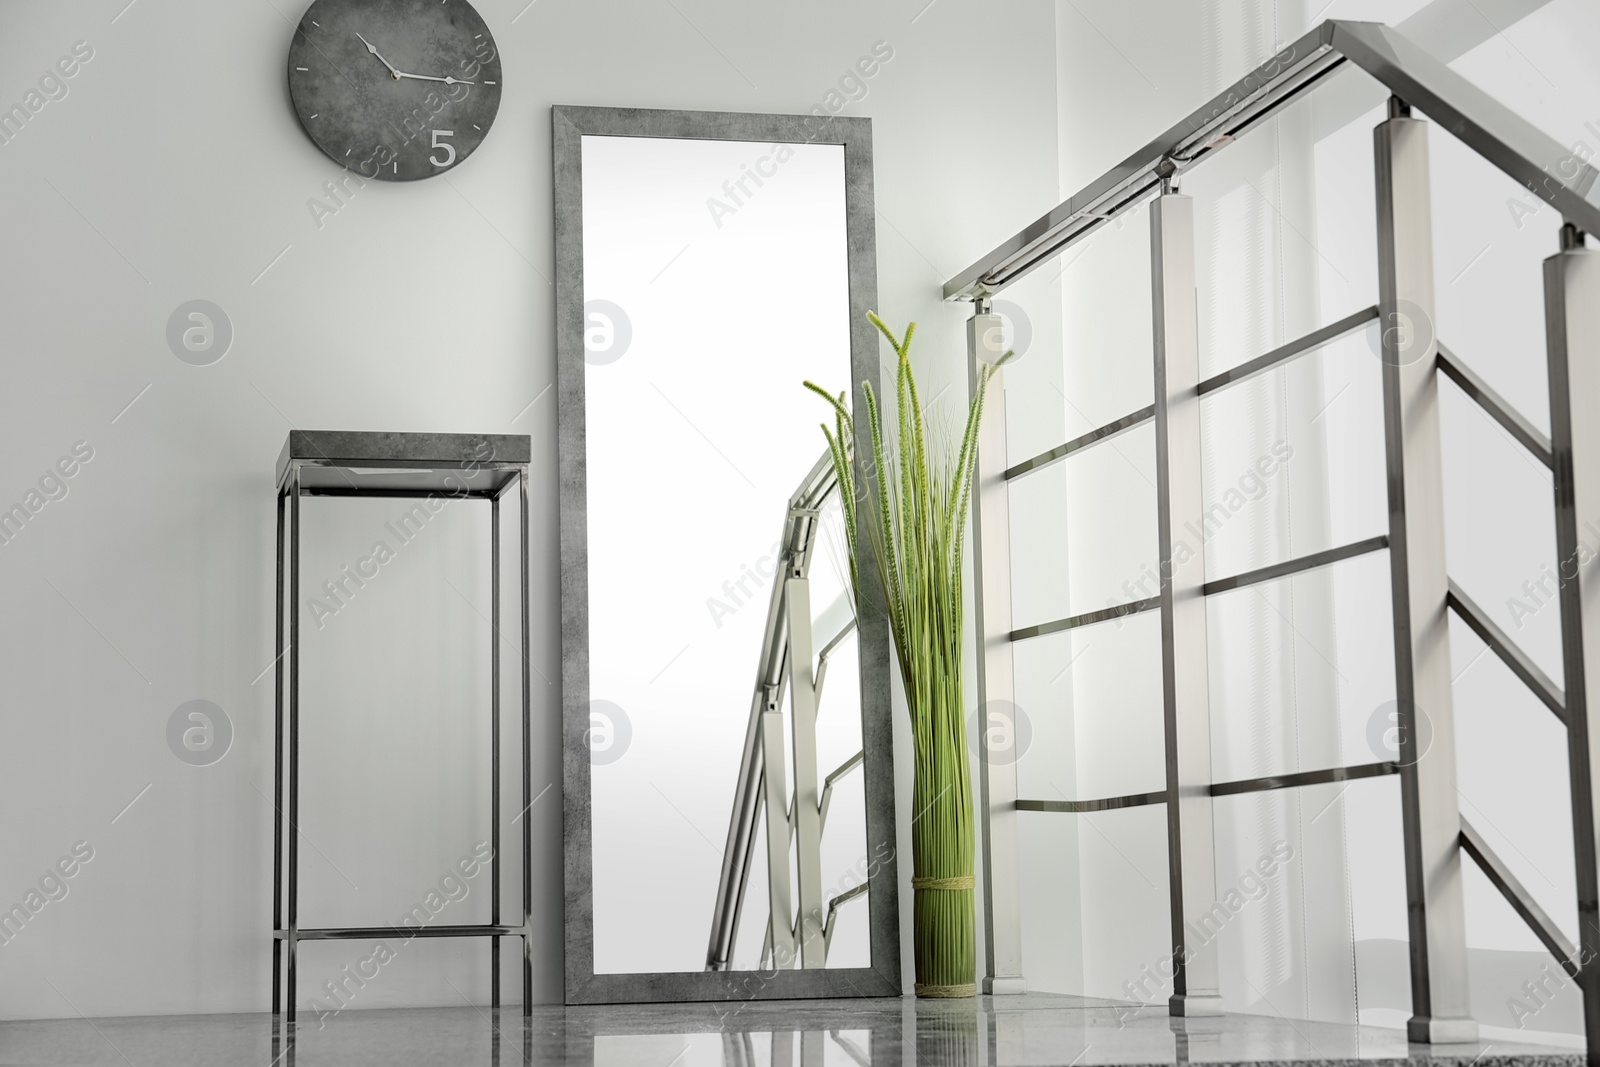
[355,461]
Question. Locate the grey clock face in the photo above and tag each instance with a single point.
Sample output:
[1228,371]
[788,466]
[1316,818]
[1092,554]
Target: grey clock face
[395,89]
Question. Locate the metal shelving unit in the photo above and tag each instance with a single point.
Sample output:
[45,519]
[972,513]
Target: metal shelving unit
[794,820]
[1422,594]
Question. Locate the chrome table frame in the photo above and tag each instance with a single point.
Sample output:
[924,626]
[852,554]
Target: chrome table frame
[481,467]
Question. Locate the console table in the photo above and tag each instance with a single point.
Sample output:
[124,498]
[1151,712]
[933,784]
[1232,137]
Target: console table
[481,467]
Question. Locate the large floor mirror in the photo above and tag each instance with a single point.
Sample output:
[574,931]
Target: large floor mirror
[729,794]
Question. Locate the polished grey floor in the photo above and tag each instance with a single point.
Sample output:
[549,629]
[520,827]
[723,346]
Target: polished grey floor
[1037,1030]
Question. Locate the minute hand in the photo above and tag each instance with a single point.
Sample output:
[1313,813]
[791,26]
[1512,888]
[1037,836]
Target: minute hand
[429,78]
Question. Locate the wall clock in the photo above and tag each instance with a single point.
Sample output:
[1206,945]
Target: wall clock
[395,89]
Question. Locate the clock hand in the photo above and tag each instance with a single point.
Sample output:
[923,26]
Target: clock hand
[393,73]
[427,78]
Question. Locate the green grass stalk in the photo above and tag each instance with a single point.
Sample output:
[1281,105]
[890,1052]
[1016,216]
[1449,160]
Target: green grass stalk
[915,508]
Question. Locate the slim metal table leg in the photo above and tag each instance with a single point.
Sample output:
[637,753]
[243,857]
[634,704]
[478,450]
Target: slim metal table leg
[277,768]
[525,754]
[293,887]
[494,744]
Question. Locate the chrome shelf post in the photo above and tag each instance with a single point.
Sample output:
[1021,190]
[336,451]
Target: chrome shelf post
[1572,334]
[997,777]
[1185,674]
[1431,821]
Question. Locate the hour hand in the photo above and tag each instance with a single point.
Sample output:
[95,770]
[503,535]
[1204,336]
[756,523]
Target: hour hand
[429,78]
[393,73]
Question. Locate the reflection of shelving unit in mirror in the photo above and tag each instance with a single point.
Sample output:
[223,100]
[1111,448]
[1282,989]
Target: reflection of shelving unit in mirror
[795,819]
[427,472]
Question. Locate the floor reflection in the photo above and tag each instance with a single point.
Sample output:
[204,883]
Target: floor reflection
[1037,1030]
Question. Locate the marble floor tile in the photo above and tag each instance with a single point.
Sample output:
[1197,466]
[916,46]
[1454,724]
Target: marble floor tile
[1036,1030]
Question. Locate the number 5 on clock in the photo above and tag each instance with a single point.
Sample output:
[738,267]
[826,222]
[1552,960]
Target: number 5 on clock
[449,149]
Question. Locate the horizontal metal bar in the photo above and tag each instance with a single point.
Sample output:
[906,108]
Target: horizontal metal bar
[1512,656]
[1230,115]
[1133,800]
[845,897]
[1221,789]
[849,628]
[400,468]
[1527,434]
[833,908]
[1295,566]
[1521,901]
[361,933]
[1283,353]
[827,789]
[1529,156]
[1303,778]
[845,768]
[1088,618]
[1104,433]
[408,494]
[404,466]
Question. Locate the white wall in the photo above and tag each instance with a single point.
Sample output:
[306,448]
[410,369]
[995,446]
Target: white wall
[174,169]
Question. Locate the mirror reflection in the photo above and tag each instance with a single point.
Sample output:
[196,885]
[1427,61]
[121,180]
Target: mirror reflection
[727,802]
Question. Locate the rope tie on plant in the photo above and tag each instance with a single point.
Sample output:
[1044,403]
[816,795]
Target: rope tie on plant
[963,881]
[966,989]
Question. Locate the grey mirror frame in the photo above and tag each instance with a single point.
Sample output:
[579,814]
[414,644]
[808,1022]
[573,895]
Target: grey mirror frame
[569,124]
